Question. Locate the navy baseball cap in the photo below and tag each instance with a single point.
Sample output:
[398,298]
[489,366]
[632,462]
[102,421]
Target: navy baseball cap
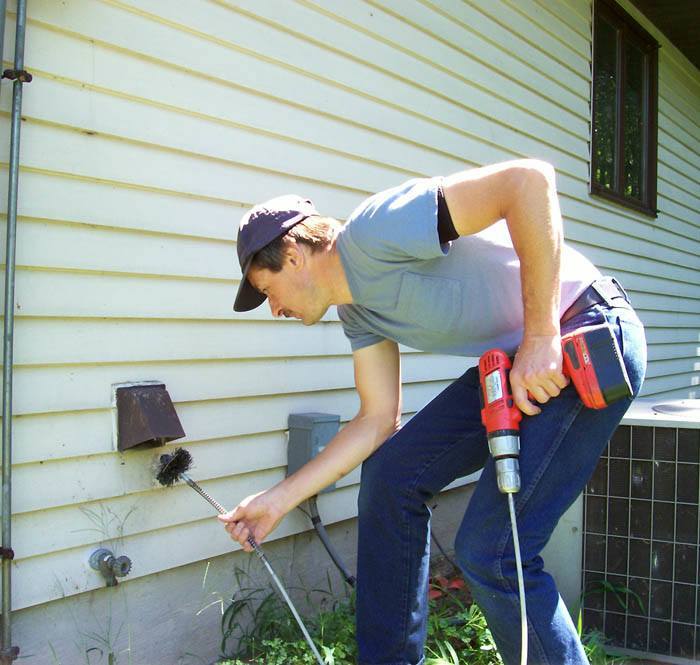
[259,227]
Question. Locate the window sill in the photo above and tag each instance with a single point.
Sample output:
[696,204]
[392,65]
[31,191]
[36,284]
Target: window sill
[623,202]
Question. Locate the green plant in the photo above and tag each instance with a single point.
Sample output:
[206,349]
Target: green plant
[457,630]
[594,644]
[258,628]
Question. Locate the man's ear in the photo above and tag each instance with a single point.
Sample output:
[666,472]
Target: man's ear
[294,256]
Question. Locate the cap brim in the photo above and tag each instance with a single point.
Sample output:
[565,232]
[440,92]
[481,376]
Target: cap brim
[248,297]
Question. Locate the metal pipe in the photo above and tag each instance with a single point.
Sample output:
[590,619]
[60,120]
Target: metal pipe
[8,652]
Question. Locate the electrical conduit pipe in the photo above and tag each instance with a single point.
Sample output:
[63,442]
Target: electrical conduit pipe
[8,653]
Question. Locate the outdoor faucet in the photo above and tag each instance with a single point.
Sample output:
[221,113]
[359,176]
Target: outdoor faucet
[110,566]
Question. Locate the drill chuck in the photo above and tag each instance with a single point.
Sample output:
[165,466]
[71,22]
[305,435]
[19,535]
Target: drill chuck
[505,449]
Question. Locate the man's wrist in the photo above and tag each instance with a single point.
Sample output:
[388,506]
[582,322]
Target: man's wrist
[542,334]
[283,496]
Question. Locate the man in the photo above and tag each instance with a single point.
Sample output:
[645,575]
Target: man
[427,265]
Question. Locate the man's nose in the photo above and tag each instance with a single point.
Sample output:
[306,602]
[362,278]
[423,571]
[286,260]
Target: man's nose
[274,307]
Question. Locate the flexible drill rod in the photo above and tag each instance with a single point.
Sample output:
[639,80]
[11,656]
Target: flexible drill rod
[263,558]
[521,583]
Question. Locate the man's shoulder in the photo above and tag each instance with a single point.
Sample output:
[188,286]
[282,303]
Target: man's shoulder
[389,203]
[396,222]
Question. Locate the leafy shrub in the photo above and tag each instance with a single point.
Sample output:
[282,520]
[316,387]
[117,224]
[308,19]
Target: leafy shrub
[457,630]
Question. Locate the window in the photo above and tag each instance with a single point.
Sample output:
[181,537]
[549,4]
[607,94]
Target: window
[623,151]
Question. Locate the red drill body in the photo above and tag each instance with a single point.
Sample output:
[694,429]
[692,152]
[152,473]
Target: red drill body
[501,418]
[593,362]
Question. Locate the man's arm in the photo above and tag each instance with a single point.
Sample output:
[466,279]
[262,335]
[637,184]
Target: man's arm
[523,192]
[378,382]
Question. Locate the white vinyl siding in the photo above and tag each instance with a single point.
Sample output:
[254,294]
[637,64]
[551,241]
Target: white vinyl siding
[151,126]
[663,270]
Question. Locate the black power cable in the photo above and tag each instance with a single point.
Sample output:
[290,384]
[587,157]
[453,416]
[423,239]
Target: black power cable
[325,539]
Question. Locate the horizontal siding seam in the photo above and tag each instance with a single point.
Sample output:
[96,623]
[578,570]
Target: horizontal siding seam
[691,359]
[134,231]
[681,158]
[672,375]
[233,281]
[666,294]
[450,44]
[261,169]
[128,185]
[624,215]
[680,74]
[189,153]
[674,166]
[283,138]
[174,277]
[235,86]
[529,18]
[676,325]
[282,27]
[573,8]
[584,36]
[237,399]
[221,160]
[353,90]
[666,279]
[123,230]
[306,108]
[636,255]
[669,391]
[68,365]
[682,188]
[692,131]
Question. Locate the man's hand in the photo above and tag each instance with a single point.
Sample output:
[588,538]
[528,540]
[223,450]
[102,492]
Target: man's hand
[537,370]
[257,515]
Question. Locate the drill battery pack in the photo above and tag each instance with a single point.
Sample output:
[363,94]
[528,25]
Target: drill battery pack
[593,361]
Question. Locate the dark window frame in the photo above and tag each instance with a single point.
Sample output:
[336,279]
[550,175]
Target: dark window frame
[628,31]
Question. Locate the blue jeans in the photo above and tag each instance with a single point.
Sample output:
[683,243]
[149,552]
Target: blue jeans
[445,440]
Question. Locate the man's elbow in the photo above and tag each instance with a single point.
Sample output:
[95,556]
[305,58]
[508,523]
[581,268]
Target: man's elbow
[535,173]
[386,428]
[393,425]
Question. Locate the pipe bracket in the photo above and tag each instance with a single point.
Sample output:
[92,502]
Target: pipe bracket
[21,75]
[7,553]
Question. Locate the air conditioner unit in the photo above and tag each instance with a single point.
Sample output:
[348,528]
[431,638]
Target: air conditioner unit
[641,534]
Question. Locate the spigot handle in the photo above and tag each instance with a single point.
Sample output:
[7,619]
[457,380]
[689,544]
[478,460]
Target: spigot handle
[121,566]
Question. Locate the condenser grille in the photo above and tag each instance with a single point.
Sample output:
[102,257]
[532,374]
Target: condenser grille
[640,554]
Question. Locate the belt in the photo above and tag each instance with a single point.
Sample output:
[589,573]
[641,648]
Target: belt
[603,290]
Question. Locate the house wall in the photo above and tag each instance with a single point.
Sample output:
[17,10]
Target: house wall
[661,259]
[151,126]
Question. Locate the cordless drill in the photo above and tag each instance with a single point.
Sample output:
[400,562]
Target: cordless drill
[593,362]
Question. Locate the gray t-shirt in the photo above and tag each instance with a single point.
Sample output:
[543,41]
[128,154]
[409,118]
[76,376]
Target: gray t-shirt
[459,298]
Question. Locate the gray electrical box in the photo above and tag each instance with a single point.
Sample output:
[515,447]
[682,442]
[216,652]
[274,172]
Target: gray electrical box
[308,435]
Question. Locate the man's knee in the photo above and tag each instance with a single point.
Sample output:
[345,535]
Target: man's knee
[486,561]
[476,556]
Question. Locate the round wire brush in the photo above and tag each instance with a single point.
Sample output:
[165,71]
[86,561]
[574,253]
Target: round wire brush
[172,468]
